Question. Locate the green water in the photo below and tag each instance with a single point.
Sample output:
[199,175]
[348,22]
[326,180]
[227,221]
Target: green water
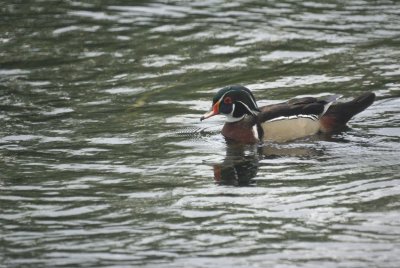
[104,162]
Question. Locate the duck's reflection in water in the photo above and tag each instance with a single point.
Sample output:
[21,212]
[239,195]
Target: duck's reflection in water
[242,162]
[239,167]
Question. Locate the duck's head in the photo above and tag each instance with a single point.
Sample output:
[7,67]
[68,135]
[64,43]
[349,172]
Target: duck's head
[234,102]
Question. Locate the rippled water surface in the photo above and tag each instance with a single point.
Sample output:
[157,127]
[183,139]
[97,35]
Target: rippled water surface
[104,163]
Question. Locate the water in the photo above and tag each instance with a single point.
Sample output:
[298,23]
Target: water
[104,162]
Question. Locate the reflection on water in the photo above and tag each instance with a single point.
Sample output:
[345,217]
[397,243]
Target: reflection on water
[238,168]
[242,162]
[104,163]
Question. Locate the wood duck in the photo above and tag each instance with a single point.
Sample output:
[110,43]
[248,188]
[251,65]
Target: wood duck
[296,118]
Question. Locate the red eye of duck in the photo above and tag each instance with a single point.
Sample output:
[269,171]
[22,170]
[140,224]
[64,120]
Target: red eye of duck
[228,100]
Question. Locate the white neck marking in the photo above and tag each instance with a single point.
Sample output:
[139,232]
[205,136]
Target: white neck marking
[230,118]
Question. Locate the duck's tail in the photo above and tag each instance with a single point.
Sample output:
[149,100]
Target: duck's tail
[338,114]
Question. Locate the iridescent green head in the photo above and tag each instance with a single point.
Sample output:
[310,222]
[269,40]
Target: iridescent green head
[234,102]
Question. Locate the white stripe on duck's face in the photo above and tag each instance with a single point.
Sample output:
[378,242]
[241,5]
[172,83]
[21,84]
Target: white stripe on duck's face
[230,118]
[283,129]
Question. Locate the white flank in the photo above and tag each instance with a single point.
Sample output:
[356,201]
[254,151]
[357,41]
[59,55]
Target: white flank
[283,129]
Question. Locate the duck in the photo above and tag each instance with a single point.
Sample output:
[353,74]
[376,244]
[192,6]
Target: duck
[296,118]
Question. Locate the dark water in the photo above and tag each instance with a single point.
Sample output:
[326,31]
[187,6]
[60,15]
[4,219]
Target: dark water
[104,163]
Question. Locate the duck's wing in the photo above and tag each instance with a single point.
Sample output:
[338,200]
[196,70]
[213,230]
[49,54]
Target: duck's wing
[300,107]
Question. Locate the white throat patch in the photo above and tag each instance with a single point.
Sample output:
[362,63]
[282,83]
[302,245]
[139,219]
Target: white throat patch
[230,118]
